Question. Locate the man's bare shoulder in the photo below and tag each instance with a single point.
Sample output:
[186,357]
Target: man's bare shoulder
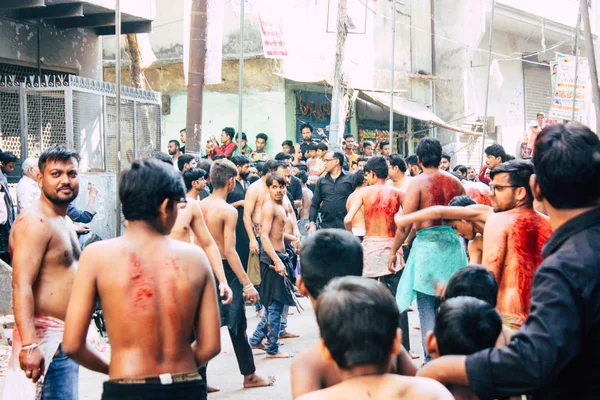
[419,388]
[500,220]
[308,361]
[32,220]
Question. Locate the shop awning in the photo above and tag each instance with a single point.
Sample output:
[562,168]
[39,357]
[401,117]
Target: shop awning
[410,108]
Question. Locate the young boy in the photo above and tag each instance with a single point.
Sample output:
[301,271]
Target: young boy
[463,326]
[307,196]
[358,321]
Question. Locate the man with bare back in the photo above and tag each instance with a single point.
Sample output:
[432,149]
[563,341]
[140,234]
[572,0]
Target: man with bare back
[155,292]
[221,219]
[45,252]
[359,181]
[513,239]
[274,263]
[436,252]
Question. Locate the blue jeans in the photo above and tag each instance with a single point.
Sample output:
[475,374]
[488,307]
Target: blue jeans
[284,317]
[426,307]
[269,327]
[62,379]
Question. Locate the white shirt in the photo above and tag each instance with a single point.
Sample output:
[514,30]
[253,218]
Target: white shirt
[27,192]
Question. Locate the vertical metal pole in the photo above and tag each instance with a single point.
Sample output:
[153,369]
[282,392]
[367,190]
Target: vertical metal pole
[392,83]
[589,47]
[487,90]
[338,84]
[577,32]
[105,132]
[118,108]
[241,79]
[135,144]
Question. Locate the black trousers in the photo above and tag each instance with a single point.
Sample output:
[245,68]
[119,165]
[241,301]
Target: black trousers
[192,390]
[391,282]
[241,347]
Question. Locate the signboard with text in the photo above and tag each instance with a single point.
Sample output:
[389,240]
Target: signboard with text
[565,96]
[271,31]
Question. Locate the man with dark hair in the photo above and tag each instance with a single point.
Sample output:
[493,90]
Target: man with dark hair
[7,161]
[462,170]
[349,150]
[260,154]
[160,156]
[221,220]
[384,149]
[331,194]
[473,281]
[307,139]
[513,239]
[195,181]
[287,146]
[275,267]
[436,253]
[365,347]
[397,173]
[45,252]
[445,162]
[182,138]
[186,161]
[307,196]
[471,175]
[413,165]
[359,181]
[227,146]
[494,156]
[295,186]
[236,199]
[367,149]
[174,150]
[154,292]
[205,164]
[554,353]
[246,150]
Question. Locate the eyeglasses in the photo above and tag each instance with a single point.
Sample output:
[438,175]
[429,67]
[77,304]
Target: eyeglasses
[499,188]
[329,159]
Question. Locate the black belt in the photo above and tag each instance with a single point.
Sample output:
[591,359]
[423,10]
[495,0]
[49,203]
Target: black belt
[163,379]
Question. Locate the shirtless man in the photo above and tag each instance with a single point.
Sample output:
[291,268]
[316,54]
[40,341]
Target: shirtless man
[274,266]
[307,196]
[45,252]
[358,222]
[155,292]
[190,224]
[221,219]
[436,252]
[513,239]
[397,173]
[480,192]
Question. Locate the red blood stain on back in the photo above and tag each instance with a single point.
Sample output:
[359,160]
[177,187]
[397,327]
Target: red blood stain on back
[141,285]
[381,206]
[42,220]
[442,189]
[480,195]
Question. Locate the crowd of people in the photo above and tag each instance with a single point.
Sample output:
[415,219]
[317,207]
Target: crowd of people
[503,266]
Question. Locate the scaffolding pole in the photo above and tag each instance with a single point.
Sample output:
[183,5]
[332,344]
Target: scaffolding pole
[118,107]
[487,89]
[392,82]
[241,79]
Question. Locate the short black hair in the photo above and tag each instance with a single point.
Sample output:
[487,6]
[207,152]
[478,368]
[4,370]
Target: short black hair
[460,168]
[328,254]
[221,172]
[348,135]
[253,178]
[288,143]
[8,157]
[218,157]
[160,156]
[446,156]
[206,165]
[240,160]
[53,153]
[382,144]
[145,185]
[340,156]
[270,166]
[274,177]
[229,131]
[429,152]
[303,176]
[263,136]
[466,325]
[183,130]
[462,201]
[282,155]
[244,137]
[496,150]
[510,157]
[366,144]
[309,126]
[378,165]
[412,160]
[358,178]
[259,166]
[358,319]
[191,175]
[474,281]
[322,146]
[567,166]
[362,159]
[184,159]
[312,146]
[456,175]
[396,160]
[519,172]
[176,142]
[301,167]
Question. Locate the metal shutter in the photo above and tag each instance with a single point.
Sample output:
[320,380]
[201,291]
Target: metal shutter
[538,90]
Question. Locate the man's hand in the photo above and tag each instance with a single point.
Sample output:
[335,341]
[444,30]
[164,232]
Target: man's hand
[225,291]
[251,295]
[82,229]
[393,263]
[297,245]
[280,268]
[254,246]
[93,192]
[311,227]
[32,363]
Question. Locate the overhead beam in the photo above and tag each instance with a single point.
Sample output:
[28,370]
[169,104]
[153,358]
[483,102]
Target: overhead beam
[53,11]
[88,21]
[126,28]
[21,3]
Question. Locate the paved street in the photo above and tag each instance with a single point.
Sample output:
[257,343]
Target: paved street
[223,371]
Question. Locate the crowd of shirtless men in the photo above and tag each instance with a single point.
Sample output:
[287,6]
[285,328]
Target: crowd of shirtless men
[505,276]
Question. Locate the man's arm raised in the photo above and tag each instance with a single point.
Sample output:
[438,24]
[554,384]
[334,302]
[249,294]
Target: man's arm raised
[494,245]
[206,241]
[473,212]
[250,203]
[79,314]
[233,258]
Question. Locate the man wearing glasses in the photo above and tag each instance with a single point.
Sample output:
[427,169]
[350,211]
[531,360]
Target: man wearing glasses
[331,194]
[513,238]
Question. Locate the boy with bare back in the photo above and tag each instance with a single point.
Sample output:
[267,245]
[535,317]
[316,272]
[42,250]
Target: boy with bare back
[45,252]
[274,264]
[359,181]
[221,219]
[436,252]
[365,347]
[155,292]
